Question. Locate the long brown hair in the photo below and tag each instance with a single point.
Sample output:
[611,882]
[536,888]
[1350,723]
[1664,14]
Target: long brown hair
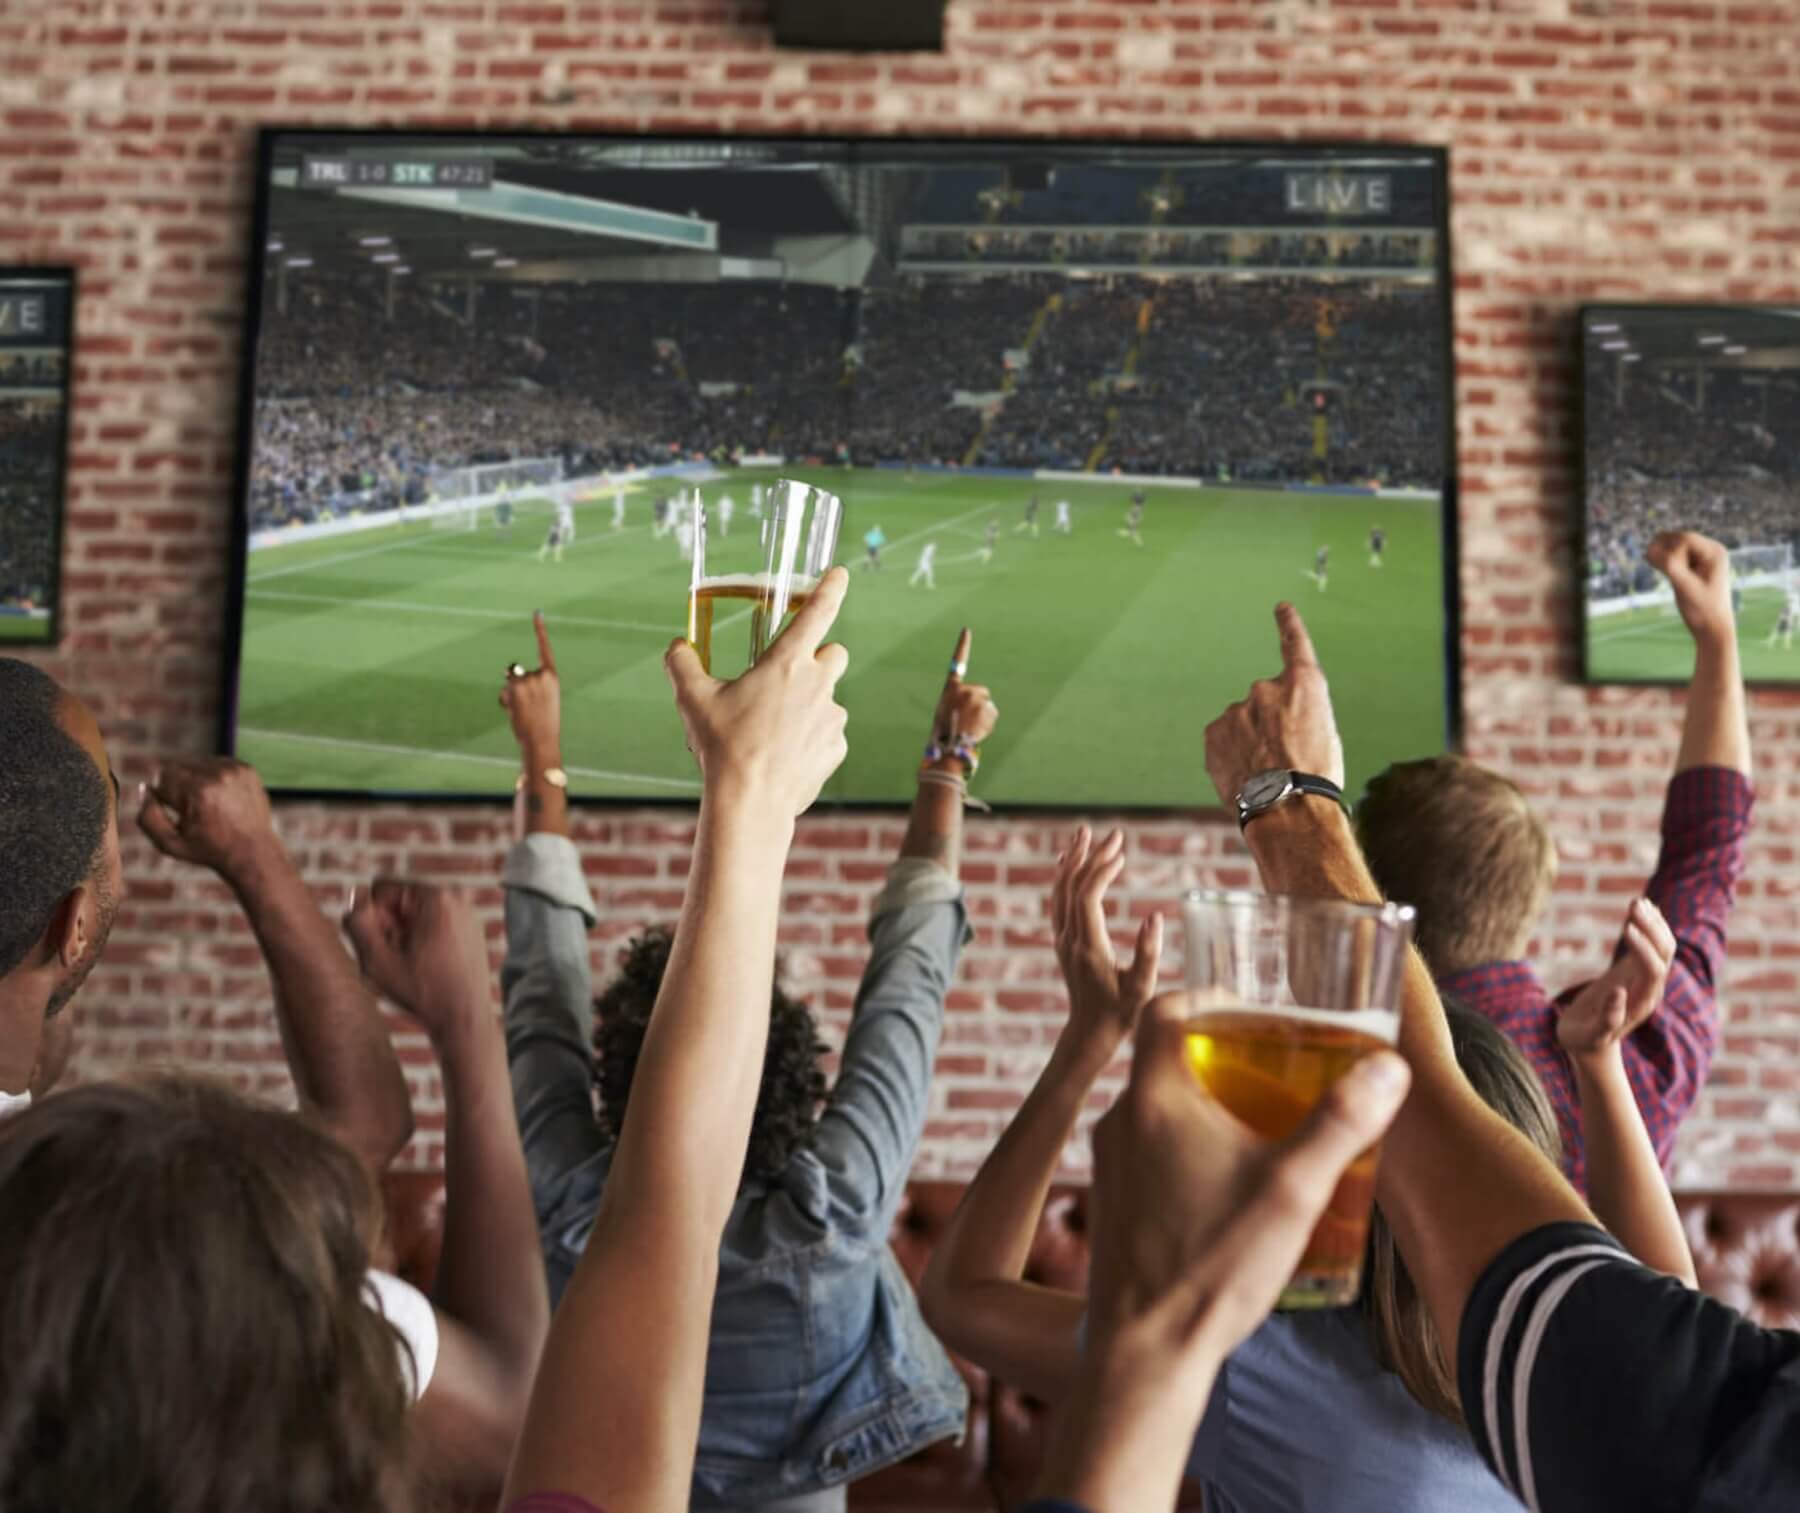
[1406,1341]
[183,1325]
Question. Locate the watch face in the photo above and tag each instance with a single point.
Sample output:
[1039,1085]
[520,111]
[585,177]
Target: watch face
[1266,788]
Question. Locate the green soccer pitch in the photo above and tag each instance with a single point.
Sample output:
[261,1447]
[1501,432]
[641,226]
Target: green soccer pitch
[372,661]
[24,630]
[1651,645]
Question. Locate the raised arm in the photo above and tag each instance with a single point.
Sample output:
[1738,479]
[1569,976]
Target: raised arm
[546,980]
[974,1291]
[1715,731]
[615,1413]
[423,947]
[869,1130]
[1668,1055]
[1626,1186]
[214,813]
[1457,1182]
[1197,1223]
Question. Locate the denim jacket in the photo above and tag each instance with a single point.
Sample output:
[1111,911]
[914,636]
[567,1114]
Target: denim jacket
[821,1369]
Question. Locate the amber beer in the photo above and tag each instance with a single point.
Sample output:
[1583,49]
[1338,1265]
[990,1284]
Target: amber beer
[1270,1069]
[759,592]
[1285,996]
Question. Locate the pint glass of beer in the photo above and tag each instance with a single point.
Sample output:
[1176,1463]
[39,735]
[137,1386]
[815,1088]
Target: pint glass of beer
[762,574]
[1285,996]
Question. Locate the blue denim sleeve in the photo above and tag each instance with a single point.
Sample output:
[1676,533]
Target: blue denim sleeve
[549,1009]
[871,1126]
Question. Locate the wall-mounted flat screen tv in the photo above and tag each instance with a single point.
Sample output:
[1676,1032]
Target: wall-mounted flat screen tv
[1691,422]
[37,308]
[1105,404]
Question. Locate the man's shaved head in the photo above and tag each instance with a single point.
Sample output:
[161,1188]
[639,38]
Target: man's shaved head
[57,814]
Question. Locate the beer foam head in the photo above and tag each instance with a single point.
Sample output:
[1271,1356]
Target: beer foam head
[758,582]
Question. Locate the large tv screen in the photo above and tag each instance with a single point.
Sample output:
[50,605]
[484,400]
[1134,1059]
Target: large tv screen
[1118,399]
[1691,422]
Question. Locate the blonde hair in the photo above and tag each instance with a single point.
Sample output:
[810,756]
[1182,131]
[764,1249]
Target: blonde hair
[1403,1336]
[1463,847]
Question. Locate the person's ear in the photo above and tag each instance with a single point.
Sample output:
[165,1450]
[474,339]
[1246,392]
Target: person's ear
[71,927]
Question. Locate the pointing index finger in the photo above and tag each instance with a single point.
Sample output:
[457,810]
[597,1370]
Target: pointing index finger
[546,657]
[959,659]
[1296,645]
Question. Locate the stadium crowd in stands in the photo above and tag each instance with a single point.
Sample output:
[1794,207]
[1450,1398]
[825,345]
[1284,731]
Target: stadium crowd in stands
[1663,460]
[30,462]
[359,409]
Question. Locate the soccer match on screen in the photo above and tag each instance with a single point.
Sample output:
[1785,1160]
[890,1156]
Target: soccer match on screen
[34,370]
[1103,406]
[1692,423]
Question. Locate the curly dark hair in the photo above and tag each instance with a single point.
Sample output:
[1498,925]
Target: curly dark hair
[793,1083]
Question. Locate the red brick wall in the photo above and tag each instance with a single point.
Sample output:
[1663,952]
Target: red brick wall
[1645,149]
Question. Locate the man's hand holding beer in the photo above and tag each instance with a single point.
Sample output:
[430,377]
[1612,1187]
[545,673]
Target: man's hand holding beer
[1197,1223]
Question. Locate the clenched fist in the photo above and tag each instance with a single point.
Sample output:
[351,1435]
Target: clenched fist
[1699,570]
[213,812]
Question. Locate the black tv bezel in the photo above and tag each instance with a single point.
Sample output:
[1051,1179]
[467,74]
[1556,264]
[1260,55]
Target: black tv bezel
[269,136]
[1589,678]
[70,274]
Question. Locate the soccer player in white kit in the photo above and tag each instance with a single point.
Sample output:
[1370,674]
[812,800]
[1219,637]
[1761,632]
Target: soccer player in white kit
[1063,522]
[756,501]
[1785,623]
[926,558]
[618,509]
[684,536]
[727,507]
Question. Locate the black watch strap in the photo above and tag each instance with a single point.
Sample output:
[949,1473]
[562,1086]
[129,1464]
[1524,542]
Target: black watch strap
[1299,783]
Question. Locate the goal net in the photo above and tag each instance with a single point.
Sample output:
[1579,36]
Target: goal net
[1752,567]
[1763,566]
[460,495]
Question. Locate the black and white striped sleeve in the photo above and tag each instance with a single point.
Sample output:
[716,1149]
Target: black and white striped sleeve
[1591,1382]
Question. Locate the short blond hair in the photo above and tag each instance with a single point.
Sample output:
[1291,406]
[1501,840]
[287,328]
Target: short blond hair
[1463,847]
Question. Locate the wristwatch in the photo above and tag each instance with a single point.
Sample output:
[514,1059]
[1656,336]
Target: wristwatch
[1264,790]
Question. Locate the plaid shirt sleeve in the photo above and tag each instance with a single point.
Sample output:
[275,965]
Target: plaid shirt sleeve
[1705,820]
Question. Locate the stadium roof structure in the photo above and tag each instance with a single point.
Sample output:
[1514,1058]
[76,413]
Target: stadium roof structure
[1690,336]
[547,207]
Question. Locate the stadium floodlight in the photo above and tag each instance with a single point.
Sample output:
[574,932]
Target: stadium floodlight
[385,257]
[1615,346]
[506,262]
[299,262]
[484,252]
[1736,351]
[276,244]
[1605,329]
[402,268]
[1712,341]
[374,241]
[1632,357]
